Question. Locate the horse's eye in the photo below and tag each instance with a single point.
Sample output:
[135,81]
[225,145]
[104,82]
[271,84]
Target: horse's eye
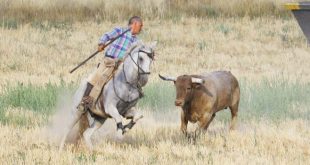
[140,59]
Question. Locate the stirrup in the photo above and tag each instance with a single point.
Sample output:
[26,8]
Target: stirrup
[87,101]
[86,104]
[81,108]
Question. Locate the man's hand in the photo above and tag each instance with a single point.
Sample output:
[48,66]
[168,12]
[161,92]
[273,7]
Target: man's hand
[101,47]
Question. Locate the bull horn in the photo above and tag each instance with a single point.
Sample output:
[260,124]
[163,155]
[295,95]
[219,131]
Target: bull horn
[167,78]
[197,80]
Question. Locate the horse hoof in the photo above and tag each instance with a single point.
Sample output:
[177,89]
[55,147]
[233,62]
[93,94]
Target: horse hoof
[119,135]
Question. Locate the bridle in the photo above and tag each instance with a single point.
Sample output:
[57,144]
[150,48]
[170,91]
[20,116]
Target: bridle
[150,55]
[140,72]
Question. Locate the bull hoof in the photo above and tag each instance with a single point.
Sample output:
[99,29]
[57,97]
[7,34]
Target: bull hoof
[191,138]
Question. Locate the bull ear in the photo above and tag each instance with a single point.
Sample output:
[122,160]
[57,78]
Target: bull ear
[197,80]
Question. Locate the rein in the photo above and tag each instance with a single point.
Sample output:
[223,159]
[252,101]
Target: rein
[150,55]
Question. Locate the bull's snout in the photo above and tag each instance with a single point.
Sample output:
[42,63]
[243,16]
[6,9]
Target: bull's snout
[178,102]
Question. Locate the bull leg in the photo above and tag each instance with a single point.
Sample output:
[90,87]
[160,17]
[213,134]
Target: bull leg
[113,112]
[206,127]
[134,115]
[234,114]
[76,117]
[205,120]
[184,123]
[88,133]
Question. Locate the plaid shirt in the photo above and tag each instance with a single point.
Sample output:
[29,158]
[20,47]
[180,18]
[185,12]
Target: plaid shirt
[118,48]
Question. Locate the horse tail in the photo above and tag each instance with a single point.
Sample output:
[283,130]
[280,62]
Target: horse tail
[83,125]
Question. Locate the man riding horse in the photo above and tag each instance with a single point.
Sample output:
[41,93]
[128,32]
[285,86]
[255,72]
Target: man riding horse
[113,54]
[117,98]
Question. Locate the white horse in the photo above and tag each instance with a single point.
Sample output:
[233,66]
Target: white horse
[119,96]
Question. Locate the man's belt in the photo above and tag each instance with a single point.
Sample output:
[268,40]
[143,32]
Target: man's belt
[109,56]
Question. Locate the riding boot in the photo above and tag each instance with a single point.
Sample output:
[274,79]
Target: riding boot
[88,89]
[87,101]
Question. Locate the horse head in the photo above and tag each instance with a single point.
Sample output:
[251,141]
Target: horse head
[138,62]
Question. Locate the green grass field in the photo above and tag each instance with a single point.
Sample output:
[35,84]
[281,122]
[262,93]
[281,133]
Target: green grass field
[273,100]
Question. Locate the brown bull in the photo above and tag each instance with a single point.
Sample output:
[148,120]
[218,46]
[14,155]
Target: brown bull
[201,96]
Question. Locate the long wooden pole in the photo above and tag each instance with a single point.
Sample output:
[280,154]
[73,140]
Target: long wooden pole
[91,56]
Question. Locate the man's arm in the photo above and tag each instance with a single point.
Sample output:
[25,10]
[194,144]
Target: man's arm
[108,36]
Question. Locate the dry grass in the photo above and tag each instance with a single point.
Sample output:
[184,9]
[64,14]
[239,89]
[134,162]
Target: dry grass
[160,142]
[252,48]
[79,10]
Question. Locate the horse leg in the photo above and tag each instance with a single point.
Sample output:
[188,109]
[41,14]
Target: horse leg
[113,112]
[134,115]
[89,132]
[76,117]
[83,125]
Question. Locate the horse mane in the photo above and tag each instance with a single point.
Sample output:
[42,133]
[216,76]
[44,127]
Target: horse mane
[133,46]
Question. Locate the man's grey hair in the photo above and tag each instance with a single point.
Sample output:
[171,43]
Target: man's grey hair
[134,19]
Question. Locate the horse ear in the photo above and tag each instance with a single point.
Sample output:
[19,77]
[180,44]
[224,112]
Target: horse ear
[134,45]
[153,44]
[137,43]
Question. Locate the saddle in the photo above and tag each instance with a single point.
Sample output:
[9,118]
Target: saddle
[104,73]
